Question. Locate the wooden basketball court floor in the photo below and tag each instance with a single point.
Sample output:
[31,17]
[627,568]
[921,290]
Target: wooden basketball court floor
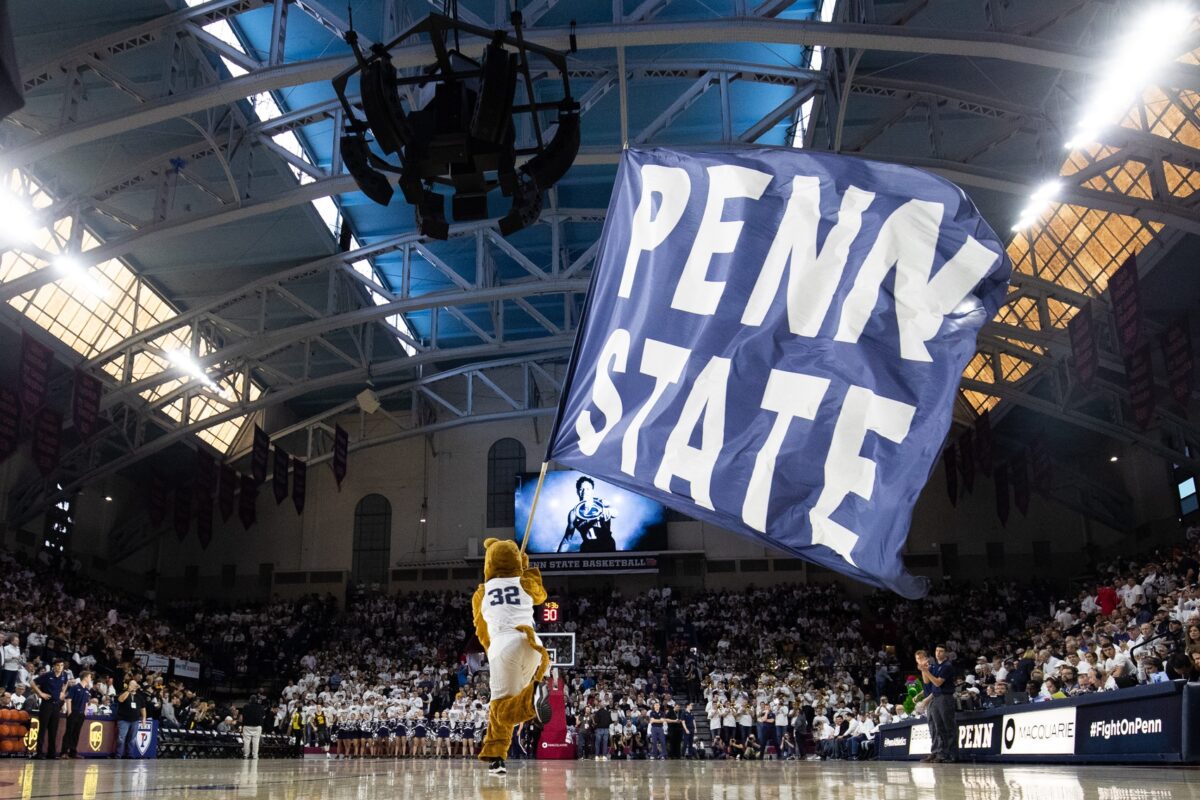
[585,780]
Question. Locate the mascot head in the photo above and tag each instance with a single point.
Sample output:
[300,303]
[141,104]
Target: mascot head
[913,688]
[503,559]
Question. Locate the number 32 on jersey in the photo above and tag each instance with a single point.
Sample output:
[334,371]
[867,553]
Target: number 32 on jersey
[505,596]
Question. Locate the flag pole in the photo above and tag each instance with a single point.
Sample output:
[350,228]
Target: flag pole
[533,508]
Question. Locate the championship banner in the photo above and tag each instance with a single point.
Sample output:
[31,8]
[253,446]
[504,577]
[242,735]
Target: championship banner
[966,460]
[85,404]
[156,505]
[950,463]
[226,489]
[299,484]
[984,443]
[1139,372]
[248,502]
[1019,475]
[35,373]
[47,440]
[1083,346]
[204,519]
[258,455]
[341,454]
[1177,350]
[1001,481]
[10,422]
[1040,464]
[772,343]
[206,475]
[279,476]
[1127,305]
[183,511]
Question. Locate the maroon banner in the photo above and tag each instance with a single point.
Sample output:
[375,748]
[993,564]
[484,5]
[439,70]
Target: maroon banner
[204,519]
[1127,305]
[35,374]
[85,406]
[1177,350]
[156,503]
[1139,372]
[279,478]
[984,444]
[1019,477]
[1083,346]
[206,473]
[226,490]
[183,511]
[299,484]
[260,454]
[966,459]
[1001,481]
[47,440]
[10,422]
[248,502]
[950,462]
[341,454]
[1040,464]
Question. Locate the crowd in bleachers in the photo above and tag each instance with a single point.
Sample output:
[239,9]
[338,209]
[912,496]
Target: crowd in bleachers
[778,672]
[48,613]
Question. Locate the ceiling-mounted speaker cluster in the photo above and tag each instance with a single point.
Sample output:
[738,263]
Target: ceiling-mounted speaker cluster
[454,127]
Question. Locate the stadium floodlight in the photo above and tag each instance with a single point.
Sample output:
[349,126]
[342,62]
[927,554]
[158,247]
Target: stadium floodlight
[77,275]
[462,136]
[17,222]
[184,362]
[1039,201]
[1155,39]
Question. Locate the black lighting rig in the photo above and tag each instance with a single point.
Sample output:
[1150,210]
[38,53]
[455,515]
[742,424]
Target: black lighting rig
[463,135]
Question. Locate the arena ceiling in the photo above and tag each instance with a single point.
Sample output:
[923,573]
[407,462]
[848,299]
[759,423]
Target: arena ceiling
[199,246]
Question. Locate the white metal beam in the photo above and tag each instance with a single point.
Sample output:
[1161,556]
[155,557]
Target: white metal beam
[731,30]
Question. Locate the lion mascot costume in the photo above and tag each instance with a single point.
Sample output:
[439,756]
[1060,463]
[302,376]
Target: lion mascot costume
[503,611]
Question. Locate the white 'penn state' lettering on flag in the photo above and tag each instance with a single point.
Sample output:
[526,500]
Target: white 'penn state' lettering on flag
[772,342]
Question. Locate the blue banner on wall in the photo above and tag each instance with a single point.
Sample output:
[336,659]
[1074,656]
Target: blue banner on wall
[772,342]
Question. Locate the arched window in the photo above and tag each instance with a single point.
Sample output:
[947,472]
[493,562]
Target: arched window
[506,460]
[372,539]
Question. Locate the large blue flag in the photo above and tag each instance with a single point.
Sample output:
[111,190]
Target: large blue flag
[772,342]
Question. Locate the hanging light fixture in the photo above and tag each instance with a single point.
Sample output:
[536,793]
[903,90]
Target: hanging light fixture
[462,137]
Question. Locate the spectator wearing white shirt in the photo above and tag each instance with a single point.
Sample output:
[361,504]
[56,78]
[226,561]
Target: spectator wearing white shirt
[1131,593]
[1064,617]
[11,656]
[1117,665]
[782,720]
[1088,605]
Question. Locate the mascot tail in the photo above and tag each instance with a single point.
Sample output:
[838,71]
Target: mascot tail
[536,645]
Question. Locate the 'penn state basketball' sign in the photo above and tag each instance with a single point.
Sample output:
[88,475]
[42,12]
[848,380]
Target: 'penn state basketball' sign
[772,342]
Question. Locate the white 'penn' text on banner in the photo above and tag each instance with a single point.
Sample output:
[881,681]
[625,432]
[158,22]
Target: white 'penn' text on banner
[772,342]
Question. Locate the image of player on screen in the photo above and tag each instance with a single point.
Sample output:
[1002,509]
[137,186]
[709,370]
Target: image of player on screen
[590,520]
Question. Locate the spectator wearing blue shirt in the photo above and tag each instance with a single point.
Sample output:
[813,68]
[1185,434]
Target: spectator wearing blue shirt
[78,695]
[51,687]
[938,676]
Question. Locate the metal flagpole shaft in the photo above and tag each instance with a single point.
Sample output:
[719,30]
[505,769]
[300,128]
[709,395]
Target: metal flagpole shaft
[533,509]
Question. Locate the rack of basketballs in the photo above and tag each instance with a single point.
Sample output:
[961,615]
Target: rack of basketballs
[14,732]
